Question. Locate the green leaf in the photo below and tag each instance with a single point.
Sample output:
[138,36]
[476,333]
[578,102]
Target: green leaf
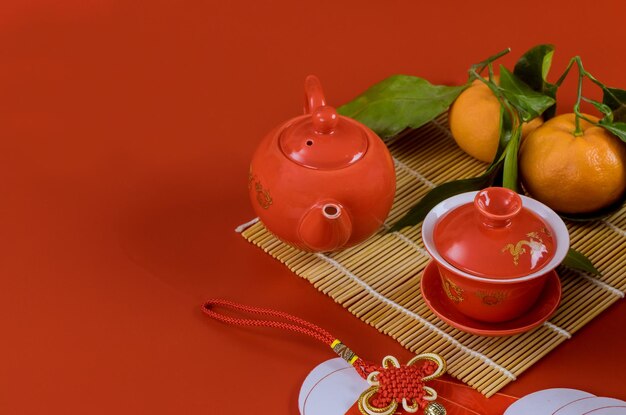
[617,128]
[613,107]
[509,175]
[615,99]
[418,212]
[529,103]
[506,133]
[576,260]
[509,131]
[400,102]
[508,145]
[532,68]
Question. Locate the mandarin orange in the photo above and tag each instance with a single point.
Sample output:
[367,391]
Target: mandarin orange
[573,174]
[474,119]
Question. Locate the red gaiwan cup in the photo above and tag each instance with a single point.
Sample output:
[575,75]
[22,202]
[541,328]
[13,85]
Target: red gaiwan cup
[494,250]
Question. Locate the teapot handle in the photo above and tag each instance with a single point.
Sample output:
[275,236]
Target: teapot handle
[313,94]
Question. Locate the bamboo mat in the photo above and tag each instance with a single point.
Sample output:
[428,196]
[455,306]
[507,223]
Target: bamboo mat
[379,280]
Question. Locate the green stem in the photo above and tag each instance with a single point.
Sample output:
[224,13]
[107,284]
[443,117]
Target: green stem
[581,74]
[494,88]
[490,71]
[477,68]
[578,131]
[594,80]
[589,120]
[601,85]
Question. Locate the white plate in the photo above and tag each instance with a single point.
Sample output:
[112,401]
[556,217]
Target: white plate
[545,402]
[613,410]
[331,389]
[588,405]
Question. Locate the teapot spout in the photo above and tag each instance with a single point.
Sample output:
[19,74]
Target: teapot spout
[325,227]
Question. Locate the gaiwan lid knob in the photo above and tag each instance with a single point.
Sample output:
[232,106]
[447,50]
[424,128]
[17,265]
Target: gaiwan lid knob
[322,139]
[495,236]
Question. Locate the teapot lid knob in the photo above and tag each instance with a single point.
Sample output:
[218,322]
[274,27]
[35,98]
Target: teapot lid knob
[321,138]
[324,119]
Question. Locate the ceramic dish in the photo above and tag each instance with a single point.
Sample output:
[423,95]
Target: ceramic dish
[540,312]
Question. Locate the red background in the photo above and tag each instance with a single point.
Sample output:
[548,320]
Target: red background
[126,128]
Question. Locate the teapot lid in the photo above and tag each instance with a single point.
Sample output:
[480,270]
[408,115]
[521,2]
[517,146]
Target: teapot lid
[322,139]
[494,237]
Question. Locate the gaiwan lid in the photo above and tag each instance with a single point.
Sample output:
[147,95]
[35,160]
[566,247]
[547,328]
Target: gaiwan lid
[322,139]
[494,237]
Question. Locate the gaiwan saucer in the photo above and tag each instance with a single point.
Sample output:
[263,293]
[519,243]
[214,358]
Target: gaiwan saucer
[436,300]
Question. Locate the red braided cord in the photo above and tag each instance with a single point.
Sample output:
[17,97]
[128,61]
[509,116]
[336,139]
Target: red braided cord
[395,383]
[301,326]
[364,368]
[405,382]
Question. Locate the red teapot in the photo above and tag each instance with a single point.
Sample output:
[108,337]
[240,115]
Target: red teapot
[321,181]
